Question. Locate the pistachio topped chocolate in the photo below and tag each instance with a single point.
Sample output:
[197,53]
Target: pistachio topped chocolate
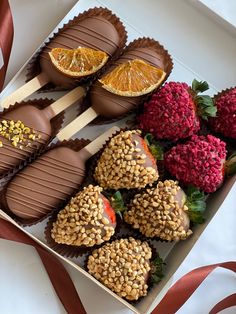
[126,162]
[88,219]
[123,266]
[24,130]
[161,212]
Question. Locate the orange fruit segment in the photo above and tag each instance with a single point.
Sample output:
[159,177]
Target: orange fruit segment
[78,62]
[133,78]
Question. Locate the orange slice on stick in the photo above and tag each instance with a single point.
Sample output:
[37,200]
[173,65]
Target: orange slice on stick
[78,62]
[133,78]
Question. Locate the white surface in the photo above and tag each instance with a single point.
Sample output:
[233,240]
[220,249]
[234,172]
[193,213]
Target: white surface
[226,9]
[25,287]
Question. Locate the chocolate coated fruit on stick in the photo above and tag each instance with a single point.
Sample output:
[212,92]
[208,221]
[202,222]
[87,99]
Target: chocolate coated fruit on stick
[49,181]
[96,28]
[110,105]
[25,129]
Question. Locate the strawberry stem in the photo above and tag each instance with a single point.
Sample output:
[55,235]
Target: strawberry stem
[199,86]
[117,203]
[196,204]
[230,165]
[154,146]
[157,269]
[205,104]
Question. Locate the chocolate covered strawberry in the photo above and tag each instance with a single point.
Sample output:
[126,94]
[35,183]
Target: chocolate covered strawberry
[225,121]
[125,266]
[201,162]
[88,219]
[126,162]
[165,211]
[174,111]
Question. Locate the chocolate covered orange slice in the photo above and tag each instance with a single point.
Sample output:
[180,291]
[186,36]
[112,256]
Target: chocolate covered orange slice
[133,78]
[78,62]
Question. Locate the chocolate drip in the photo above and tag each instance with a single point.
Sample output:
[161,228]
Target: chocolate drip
[46,183]
[93,32]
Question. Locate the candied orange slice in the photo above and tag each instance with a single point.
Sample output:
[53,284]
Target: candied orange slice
[133,78]
[78,62]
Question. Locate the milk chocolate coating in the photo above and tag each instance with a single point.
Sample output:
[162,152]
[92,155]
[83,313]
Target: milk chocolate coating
[92,32]
[110,105]
[45,184]
[181,197]
[10,156]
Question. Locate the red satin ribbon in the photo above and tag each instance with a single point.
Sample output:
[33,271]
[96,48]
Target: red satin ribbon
[182,290]
[58,275]
[224,304]
[177,295]
[6,36]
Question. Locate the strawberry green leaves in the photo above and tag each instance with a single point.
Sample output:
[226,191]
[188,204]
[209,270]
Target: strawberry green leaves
[205,104]
[199,86]
[117,203]
[154,146]
[157,269]
[196,204]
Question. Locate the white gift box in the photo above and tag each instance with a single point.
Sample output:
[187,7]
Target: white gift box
[202,48]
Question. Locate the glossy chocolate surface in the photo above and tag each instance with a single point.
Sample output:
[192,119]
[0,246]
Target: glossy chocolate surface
[110,105]
[46,184]
[92,32]
[10,156]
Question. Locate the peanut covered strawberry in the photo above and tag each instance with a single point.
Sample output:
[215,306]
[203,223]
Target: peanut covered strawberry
[88,219]
[225,121]
[165,211]
[125,266]
[126,162]
[200,162]
[173,111]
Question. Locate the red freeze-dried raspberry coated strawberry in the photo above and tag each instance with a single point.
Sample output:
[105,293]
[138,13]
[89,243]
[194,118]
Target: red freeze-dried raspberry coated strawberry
[200,162]
[173,111]
[225,122]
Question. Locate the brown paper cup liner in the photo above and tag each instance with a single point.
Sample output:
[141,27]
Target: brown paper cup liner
[34,66]
[154,255]
[75,145]
[166,60]
[71,250]
[56,124]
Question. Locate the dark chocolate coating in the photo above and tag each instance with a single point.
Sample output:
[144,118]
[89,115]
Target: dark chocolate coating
[110,105]
[45,184]
[93,32]
[10,156]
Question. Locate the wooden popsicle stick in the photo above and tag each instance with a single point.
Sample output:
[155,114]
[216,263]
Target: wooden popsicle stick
[76,125]
[3,215]
[65,101]
[68,99]
[25,90]
[93,147]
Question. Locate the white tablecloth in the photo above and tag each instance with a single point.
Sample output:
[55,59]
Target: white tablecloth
[24,285]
